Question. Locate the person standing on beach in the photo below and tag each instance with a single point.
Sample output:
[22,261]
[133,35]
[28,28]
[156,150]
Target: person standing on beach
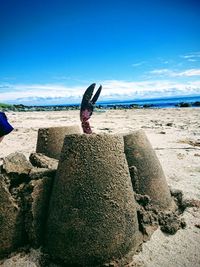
[5,127]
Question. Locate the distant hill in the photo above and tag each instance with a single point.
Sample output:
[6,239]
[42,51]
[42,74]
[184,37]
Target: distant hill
[2,105]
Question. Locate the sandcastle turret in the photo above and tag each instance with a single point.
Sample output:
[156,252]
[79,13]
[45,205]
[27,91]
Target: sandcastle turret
[92,217]
[50,140]
[146,171]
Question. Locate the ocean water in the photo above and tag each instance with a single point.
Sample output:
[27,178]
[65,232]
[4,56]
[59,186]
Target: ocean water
[155,103]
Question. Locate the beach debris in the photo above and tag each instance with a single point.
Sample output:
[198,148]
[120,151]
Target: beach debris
[87,107]
[170,124]
[162,132]
[194,143]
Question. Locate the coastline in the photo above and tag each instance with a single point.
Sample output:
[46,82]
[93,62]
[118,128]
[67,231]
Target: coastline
[173,102]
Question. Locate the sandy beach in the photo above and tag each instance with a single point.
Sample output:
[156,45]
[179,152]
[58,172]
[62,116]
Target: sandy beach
[175,136]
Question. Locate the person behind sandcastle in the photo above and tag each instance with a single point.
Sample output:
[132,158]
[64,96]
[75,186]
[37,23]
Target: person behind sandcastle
[5,127]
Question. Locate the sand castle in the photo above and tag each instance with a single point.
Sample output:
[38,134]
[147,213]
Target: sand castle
[98,221]
[50,140]
[83,209]
[146,171]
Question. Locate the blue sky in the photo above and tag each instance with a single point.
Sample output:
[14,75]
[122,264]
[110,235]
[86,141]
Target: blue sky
[50,51]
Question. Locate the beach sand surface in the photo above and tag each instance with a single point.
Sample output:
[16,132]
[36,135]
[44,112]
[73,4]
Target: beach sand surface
[175,136]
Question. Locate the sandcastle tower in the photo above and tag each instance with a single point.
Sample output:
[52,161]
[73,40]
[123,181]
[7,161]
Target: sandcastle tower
[146,171]
[50,140]
[92,217]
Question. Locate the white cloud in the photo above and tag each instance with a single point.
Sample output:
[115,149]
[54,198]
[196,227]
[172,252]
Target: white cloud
[191,56]
[192,60]
[15,91]
[138,64]
[190,72]
[173,73]
[161,71]
[112,90]
[146,88]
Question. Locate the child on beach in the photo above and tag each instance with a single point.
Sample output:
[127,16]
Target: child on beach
[5,127]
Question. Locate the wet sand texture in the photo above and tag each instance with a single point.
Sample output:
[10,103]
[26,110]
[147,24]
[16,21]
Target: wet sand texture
[24,199]
[92,217]
[50,140]
[10,221]
[146,171]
